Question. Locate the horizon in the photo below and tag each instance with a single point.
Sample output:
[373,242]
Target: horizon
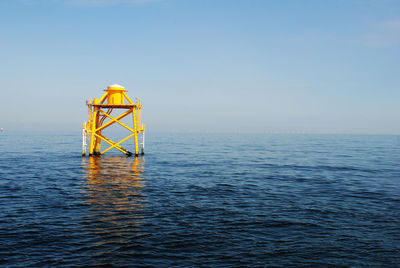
[77,132]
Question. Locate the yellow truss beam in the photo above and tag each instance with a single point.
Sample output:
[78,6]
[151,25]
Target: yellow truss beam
[113,144]
[118,143]
[116,119]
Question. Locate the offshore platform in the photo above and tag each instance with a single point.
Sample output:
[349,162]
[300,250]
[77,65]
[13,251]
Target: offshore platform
[114,100]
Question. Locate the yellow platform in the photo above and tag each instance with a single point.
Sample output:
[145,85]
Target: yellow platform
[100,118]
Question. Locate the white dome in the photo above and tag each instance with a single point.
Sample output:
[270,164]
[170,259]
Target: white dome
[116,85]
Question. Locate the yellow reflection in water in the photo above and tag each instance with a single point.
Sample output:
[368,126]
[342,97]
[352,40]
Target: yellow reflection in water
[115,197]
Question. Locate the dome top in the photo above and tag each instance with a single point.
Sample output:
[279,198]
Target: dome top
[116,85]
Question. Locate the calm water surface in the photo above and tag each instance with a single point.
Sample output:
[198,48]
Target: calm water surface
[202,200]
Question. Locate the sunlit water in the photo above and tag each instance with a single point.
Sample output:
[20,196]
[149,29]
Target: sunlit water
[202,200]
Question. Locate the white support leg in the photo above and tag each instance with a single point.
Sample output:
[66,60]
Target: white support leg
[83,142]
[143,142]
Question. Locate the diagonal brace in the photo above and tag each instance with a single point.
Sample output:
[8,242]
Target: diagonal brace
[118,147]
[116,120]
[118,143]
[113,120]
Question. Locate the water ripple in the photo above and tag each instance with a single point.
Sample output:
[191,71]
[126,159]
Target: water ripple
[202,200]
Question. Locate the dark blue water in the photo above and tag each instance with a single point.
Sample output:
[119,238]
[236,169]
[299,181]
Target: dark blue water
[202,200]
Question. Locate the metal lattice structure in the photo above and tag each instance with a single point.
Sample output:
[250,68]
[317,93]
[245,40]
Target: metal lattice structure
[100,110]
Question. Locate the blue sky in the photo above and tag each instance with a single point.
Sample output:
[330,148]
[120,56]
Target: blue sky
[209,66]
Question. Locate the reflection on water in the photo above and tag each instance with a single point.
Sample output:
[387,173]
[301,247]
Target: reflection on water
[116,201]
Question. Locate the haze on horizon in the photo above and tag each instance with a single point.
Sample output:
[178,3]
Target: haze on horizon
[204,66]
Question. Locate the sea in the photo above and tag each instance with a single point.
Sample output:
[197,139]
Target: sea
[201,200]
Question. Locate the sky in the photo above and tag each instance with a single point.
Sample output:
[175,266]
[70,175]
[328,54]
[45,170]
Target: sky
[204,66]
